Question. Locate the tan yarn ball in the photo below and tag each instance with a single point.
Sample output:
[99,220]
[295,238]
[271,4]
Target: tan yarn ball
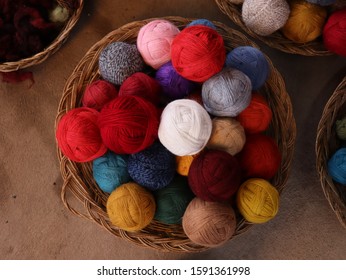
[209,224]
[264,17]
[227,135]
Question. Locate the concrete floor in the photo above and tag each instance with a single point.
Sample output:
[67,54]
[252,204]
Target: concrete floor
[34,224]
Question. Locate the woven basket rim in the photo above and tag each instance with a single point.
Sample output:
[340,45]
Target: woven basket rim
[325,134]
[156,235]
[52,48]
[275,40]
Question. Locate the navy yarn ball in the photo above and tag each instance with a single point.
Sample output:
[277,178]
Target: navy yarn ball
[202,21]
[250,61]
[152,168]
[110,171]
[337,166]
[322,2]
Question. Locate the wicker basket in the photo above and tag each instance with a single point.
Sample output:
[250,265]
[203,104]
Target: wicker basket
[326,144]
[78,179]
[276,40]
[54,46]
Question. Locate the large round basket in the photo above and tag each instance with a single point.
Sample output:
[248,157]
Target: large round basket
[79,184]
[326,144]
[276,40]
[75,7]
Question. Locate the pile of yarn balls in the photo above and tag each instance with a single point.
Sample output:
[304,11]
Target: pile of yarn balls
[175,128]
[301,21]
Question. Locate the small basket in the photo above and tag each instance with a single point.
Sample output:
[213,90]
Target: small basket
[76,10]
[78,179]
[276,40]
[326,145]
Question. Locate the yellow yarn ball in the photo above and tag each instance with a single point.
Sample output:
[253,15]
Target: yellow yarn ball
[257,200]
[227,135]
[131,207]
[183,164]
[305,22]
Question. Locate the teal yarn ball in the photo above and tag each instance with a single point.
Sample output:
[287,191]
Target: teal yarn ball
[340,127]
[110,171]
[172,200]
[337,166]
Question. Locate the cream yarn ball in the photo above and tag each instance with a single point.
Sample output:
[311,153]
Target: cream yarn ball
[185,127]
[264,17]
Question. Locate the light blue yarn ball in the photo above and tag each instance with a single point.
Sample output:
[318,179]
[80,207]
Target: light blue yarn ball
[337,166]
[322,2]
[202,21]
[250,61]
[110,171]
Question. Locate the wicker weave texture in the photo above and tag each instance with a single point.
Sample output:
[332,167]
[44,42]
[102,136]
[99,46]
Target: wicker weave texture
[80,193]
[326,145]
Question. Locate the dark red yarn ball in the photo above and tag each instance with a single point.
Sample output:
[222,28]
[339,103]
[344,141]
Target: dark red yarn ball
[198,52]
[128,124]
[214,175]
[78,135]
[260,157]
[140,84]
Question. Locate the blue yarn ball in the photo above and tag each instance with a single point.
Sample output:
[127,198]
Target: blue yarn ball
[152,168]
[202,21]
[110,171]
[250,61]
[322,2]
[337,166]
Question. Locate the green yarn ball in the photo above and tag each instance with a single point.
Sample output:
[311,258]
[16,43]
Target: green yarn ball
[341,128]
[172,200]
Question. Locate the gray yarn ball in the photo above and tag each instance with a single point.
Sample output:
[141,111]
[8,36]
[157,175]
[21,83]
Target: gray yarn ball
[227,93]
[118,61]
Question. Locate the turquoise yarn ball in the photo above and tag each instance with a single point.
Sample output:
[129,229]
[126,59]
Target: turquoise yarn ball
[250,61]
[172,200]
[337,166]
[110,171]
[202,21]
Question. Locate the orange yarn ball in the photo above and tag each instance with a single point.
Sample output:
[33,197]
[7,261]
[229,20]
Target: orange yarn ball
[183,163]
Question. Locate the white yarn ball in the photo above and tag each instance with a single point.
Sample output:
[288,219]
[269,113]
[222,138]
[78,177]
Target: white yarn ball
[185,127]
[264,17]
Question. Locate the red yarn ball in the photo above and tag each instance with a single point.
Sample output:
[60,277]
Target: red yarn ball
[334,32]
[196,96]
[260,157]
[128,124]
[78,135]
[257,116]
[140,84]
[214,175]
[198,52]
[98,93]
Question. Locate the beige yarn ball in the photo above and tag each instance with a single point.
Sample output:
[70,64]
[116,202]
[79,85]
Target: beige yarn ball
[264,17]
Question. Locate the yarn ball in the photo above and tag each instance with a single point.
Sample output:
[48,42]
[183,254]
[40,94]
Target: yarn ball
[237,2]
[183,164]
[98,93]
[305,22]
[257,116]
[131,207]
[173,85]
[152,168]
[264,17]
[196,96]
[59,15]
[110,171]
[128,124]
[185,127]
[227,93]
[252,62]
[78,135]
[142,85]
[340,128]
[260,157]
[198,53]
[118,61]
[172,201]
[208,223]
[257,200]
[227,135]
[334,32]
[322,2]
[202,21]
[154,42]
[337,166]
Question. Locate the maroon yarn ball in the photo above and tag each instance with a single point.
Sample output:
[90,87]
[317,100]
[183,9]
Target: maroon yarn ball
[78,135]
[214,175]
[98,93]
[128,124]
